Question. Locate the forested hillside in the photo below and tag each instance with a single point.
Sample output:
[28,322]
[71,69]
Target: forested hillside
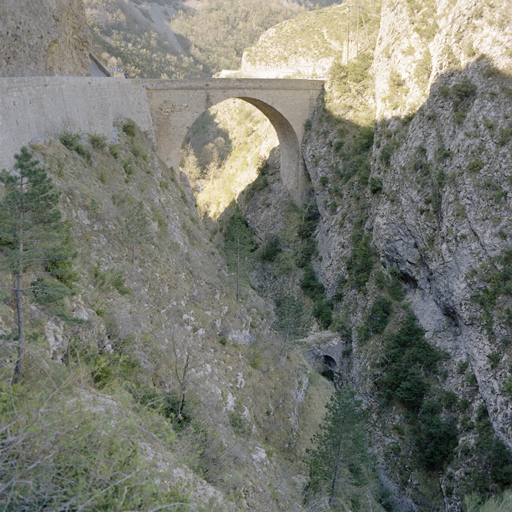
[177,39]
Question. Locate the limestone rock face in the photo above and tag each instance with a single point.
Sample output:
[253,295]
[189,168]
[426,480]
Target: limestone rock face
[44,38]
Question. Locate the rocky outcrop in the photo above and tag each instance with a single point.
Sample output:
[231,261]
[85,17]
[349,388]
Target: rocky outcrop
[44,38]
[445,208]
[436,204]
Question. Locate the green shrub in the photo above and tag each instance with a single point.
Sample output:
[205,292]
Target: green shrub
[375,185]
[408,358]
[497,282]
[464,90]
[360,262]
[310,284]
[378,317]
[364,139]
[114,151]
[344,77]
[135,150]
[72,142]
[436,437]
[258,184]
[69,140]
[48,292]
[395,285]
[271,249]
[463,367]
[471,380]
[494,359]
[386,153]
[395,79]
[314,289]
[475,165]
[495,459]
[167,404]
[98,141]
[507,386]
[442,153]
[110,279]
[129,128]
[128,167]
[380,279]
[323,312]
[462,95]
[324,180]
[450,400]
[464,405]
[423,68]
[239,423]
[505,135]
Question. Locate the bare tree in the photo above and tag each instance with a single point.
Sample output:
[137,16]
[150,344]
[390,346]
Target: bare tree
[185,361]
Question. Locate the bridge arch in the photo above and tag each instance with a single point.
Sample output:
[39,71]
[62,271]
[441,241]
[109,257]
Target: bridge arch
[176,104]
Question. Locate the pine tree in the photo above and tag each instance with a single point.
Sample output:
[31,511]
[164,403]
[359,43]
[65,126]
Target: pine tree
[34,242]
[289,312]
[341,452]
[136,229]
[239,247]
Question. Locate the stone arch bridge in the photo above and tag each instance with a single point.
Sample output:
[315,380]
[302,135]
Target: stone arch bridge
[34,107]
[288,104]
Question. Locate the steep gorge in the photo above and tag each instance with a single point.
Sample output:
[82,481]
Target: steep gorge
[410,167]
[409,155]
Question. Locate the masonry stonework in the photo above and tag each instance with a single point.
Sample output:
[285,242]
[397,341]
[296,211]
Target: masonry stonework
[48,106]
[176,104]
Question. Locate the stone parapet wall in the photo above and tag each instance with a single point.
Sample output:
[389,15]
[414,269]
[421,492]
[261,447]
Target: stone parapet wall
[47,106]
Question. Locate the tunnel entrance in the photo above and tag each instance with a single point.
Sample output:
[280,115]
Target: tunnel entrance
[327,366]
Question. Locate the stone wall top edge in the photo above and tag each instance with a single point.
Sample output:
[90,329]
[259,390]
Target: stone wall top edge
[234,83]
[38,80]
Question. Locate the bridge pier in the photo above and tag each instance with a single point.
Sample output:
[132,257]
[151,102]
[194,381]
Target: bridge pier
[288,104]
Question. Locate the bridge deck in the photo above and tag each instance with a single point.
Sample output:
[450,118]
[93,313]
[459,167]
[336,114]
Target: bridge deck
[235,83]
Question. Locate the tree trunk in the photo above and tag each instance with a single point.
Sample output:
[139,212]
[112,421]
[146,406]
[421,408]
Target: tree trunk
[21,334]
[181,405]
[336,469]
[19,295]
[348,35]
[238,269]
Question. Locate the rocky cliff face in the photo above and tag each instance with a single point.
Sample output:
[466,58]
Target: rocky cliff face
[410,161]
[435,199]
[167,303]
[44,38]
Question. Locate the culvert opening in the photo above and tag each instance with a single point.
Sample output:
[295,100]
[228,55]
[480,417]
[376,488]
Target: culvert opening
[328,367]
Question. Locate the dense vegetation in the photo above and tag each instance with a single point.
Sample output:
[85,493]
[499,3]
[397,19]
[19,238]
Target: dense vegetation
[195,42]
